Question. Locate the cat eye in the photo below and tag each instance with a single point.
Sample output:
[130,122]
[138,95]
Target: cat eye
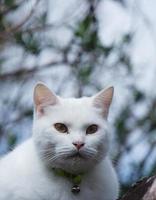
[92,129]
[62,128]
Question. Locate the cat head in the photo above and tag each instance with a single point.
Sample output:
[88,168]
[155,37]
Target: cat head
[71,133]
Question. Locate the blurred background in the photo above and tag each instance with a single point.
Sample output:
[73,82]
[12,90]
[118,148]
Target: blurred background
[78,48]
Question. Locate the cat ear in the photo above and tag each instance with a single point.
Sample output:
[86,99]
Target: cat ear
[103,100]
[43,97]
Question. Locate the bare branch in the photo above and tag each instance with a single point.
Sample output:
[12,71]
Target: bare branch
[26,72]
[11,30]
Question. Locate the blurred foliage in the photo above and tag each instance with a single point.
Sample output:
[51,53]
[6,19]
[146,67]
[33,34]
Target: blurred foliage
[28,42]
[12,139]
[86,66]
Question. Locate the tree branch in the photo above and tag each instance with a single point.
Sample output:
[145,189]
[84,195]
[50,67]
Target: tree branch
[26,72]
[11,30]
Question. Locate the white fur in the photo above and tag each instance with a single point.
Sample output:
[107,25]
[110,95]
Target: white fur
[26,173]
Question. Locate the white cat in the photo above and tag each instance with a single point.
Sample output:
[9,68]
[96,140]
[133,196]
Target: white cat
[67,156]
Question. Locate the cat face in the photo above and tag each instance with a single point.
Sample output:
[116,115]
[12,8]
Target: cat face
[71,133]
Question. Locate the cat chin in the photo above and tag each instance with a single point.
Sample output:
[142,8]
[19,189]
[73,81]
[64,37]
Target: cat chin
[75,165]
[76,156]
[75,162]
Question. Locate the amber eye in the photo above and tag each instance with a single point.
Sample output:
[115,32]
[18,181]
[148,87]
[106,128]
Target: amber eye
[92,129]
[62,128]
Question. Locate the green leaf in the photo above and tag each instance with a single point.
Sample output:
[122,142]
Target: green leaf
[12,139]
[83,26]
[84,73]
[9,2]
[29,42]
[138,95]
[90,41]
[28,113]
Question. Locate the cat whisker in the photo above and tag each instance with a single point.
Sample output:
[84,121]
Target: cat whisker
[91,151]
[63,149]
[69,152]
[53,158]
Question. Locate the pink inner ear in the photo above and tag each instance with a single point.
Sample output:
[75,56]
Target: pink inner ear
[43,97]
[98,103]
[40,111]
[103,100]
[46,100]
[43,103]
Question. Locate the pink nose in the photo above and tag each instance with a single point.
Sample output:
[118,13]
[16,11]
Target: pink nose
[78,145]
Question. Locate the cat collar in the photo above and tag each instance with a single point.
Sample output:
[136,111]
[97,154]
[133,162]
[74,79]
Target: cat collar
[75,179]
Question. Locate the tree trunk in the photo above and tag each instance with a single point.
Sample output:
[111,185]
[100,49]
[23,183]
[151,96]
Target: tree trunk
[145,189]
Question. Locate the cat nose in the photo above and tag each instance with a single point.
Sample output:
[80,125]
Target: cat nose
[78,145]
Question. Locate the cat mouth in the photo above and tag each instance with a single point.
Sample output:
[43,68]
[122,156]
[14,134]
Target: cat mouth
[76,155]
